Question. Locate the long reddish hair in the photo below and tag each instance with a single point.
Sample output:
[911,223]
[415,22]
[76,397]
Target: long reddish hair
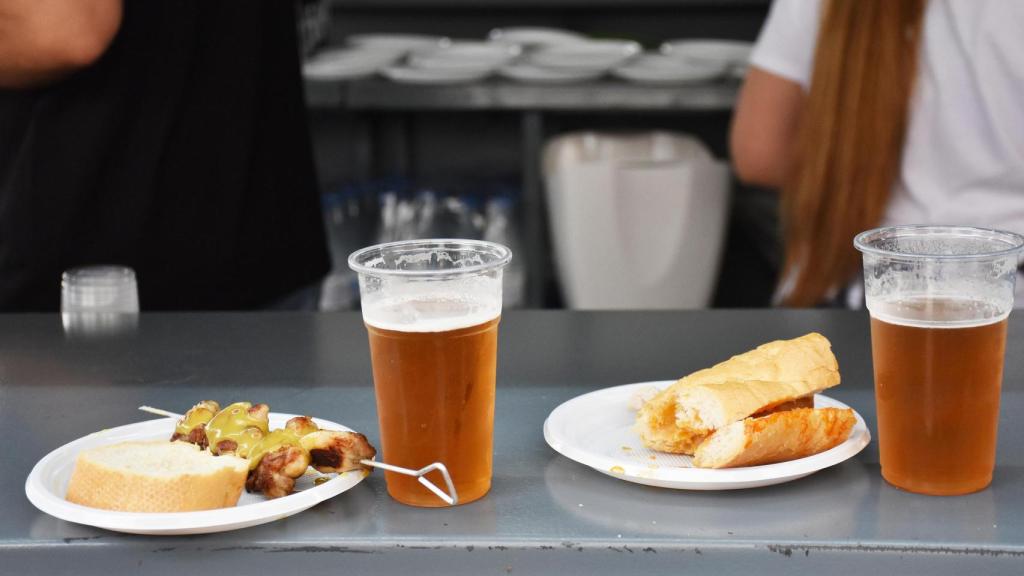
[849,141]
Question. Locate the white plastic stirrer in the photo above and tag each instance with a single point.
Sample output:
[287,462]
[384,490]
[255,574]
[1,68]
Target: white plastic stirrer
[451,498]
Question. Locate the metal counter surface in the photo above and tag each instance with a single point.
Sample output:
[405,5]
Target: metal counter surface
[545,513]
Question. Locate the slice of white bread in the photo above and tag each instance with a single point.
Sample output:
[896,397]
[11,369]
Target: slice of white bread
[684,414]
[775,438]
[157,476]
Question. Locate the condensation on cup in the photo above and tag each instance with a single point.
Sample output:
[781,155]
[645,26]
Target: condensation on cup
[939,298]
[431,309]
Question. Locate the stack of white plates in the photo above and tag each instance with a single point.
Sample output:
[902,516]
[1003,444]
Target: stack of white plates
[571,61]
[402,43]
[590,55]
[412,75]
[366,54]
[526,54]
[453,62]
[534,36]
[349,63]
[526,72]
[465,54]
[663,69]
[734,55]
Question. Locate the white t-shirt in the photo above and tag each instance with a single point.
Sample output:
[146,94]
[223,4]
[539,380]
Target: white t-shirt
[963,159]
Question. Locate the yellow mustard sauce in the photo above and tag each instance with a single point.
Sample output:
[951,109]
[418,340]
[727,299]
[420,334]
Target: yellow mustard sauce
[270,443]
[201,413]
[290,435]
[236,423]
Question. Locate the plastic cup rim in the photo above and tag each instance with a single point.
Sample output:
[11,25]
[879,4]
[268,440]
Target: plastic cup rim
[504,255]
[106,273]
[1014,241]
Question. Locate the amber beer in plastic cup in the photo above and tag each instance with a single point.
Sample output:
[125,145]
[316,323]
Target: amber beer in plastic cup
[939,298]
[431,308]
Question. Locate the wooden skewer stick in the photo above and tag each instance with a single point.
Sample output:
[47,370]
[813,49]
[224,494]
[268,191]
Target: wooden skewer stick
[159,412]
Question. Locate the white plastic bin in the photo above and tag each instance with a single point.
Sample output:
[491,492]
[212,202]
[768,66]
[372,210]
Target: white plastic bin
[637,221]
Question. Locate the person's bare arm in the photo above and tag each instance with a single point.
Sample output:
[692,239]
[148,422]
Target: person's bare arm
[764,128]
[43,40]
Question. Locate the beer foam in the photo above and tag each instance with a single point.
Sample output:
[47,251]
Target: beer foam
[431,313]
[925,312]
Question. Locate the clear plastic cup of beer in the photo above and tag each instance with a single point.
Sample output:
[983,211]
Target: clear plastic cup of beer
[939,298]
[431,309]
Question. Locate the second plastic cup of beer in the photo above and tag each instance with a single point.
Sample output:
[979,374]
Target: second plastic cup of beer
[939,298]
[431,308]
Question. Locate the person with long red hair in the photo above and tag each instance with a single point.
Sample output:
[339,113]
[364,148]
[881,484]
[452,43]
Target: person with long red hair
[879,112]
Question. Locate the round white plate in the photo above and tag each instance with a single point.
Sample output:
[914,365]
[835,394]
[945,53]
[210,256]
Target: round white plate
[406,42]
[535,36]
[730,52]
[412,75]
[540,74]
[48,481]
[662,69]
[348,63]
[339,70]
[592,54]
[596,430]
[464,54]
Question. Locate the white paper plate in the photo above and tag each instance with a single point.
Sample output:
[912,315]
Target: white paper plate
[593,54]
[348,63]
[595,429]
[412,75]
[540,74]
[730,52]
[406,42]
[47,484]
[464,54]
[339,70]
[535,36]
[662,69]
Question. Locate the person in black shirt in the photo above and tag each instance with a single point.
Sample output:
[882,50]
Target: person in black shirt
[169,136]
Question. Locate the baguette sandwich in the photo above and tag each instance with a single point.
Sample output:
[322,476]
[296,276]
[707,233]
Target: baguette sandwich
[776,375]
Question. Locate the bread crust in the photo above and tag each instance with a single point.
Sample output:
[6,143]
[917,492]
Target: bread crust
[98,484]
[775,438]
[680,417]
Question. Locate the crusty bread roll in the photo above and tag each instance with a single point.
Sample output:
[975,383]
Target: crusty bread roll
[157,476]
[802,402]
[684,414]
[775,438]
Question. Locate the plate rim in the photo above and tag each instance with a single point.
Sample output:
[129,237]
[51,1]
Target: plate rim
[161,523]
[707,478]
[515,71]
[404,74]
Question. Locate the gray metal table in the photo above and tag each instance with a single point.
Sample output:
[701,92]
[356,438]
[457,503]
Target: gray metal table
[545,514]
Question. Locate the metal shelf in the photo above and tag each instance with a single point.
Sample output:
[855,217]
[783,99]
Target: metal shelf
[531,102]
[598,96]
